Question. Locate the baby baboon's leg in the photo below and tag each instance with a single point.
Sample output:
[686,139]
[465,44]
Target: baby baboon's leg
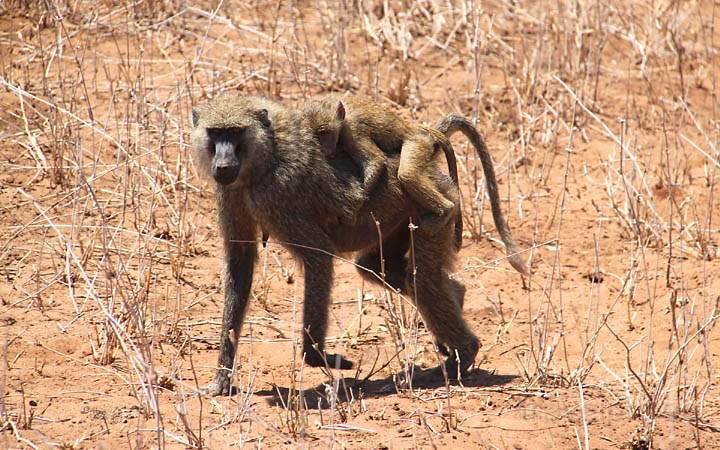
[415,163]
[439,298]
[318,269]
[394,249]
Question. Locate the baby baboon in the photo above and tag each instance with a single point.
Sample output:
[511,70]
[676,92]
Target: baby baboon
[367,131]
[270,172]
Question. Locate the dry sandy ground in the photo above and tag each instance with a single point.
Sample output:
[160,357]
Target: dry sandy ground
[602,118]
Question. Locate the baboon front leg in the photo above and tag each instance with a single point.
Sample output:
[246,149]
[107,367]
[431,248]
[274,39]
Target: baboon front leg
[318,284]
[240,254]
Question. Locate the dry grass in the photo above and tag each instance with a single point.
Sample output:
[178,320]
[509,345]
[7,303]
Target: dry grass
[603,122]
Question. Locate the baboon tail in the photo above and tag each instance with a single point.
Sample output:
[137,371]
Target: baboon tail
[452,123]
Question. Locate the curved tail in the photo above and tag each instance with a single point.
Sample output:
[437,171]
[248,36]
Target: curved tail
[452,123]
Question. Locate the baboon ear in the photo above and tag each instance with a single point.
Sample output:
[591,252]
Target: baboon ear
[262,115]
[195,117]
[340,111]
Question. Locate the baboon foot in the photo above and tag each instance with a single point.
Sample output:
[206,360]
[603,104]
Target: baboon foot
[460,360]
[221,385]
[314,358]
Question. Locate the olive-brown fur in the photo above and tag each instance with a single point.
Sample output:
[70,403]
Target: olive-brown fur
[367,130]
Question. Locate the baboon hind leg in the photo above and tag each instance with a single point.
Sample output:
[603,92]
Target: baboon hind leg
[457,289]
[440,299]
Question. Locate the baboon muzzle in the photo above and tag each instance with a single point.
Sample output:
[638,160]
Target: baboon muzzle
[226,174]
[226,166]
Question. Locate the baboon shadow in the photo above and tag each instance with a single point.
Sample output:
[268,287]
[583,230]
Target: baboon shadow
[349,388]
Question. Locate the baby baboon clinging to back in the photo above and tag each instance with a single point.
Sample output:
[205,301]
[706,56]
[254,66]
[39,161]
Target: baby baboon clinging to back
[367,131]
[270,172]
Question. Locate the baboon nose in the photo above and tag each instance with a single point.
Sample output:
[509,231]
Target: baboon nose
[226,174]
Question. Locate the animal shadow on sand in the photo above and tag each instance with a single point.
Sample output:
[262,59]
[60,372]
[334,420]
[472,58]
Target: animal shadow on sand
[354,388]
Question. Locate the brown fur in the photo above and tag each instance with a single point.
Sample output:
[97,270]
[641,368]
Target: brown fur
[285,185]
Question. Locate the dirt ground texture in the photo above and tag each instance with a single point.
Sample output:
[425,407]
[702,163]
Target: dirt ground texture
[602,119]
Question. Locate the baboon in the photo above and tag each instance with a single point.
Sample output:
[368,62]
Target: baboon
[270,172]
[367,131]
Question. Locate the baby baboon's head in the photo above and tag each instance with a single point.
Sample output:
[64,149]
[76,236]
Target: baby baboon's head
[326,120]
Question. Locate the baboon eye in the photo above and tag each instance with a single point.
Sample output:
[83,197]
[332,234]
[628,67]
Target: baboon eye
[235,130]
[228,134]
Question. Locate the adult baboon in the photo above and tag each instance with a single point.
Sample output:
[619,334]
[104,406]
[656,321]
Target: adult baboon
[270,172]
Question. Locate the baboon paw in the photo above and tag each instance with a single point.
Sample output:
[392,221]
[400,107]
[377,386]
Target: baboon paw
[457,364]
[330,360]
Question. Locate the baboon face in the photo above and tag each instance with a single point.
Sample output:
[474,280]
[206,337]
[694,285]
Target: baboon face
[226,153]
[227,142]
